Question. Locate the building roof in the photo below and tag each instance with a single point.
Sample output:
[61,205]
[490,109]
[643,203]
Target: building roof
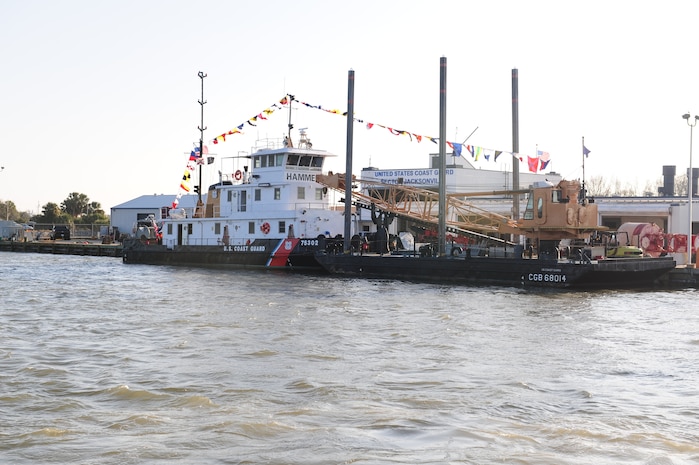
[158,201]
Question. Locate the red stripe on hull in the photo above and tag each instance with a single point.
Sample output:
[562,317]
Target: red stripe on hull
[280,256]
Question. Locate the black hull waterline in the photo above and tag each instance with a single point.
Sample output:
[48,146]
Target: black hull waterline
[607,273]
[262,254]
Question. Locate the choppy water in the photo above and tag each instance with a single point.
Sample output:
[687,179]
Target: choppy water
[106,363]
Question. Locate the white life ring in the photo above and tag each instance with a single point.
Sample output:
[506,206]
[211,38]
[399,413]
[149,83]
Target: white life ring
[238,175]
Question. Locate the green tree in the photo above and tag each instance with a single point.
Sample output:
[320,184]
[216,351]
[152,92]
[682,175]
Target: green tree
[53,214]
[93,215]
[8,211]
[75,204]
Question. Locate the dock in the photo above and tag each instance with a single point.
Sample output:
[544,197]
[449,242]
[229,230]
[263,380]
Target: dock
[78,247]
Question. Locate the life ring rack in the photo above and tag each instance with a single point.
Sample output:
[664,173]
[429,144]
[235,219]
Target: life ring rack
[265,228]
[238,175]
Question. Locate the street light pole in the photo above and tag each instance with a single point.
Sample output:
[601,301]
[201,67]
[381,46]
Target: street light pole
[7,209]
[689,186]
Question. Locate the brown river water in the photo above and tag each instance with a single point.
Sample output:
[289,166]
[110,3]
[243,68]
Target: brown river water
[107,363]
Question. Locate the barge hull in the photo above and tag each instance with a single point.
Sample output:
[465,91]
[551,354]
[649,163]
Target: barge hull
[608,273]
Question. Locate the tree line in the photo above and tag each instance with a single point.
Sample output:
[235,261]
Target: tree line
[601,186]
[77,208]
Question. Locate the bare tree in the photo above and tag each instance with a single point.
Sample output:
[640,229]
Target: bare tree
[681,185]
[598,186]
[652,188]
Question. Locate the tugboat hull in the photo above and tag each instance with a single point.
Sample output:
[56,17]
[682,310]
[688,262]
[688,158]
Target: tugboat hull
[262,253]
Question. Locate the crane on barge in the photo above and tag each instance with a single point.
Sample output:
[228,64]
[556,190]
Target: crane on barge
[553,212]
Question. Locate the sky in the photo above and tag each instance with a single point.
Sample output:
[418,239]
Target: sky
[101,98]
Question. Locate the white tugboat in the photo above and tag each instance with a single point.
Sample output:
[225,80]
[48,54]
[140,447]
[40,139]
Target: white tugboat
[269,213]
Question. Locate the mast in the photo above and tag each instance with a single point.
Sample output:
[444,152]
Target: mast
[583,193]
[201,128]
[442,227]
[348,161]
[289,125]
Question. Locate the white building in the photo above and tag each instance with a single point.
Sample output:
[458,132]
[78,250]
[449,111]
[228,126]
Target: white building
[11,230]
[461,176]
[124,216]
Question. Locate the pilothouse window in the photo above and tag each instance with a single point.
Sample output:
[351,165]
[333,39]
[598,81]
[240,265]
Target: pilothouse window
[529,212]
[317,162]
[293,160]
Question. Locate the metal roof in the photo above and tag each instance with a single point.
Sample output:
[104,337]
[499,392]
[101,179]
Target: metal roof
[158,201]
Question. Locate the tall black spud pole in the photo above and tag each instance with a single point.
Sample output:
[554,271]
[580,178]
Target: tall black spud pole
[348,160]
[442,232]
[515,143]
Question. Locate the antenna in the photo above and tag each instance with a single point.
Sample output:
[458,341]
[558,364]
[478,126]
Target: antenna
[469,136]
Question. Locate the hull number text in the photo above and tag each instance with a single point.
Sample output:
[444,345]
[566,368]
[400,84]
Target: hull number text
[547,278]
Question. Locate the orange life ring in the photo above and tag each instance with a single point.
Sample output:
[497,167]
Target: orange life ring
[265,227]
[238,175]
